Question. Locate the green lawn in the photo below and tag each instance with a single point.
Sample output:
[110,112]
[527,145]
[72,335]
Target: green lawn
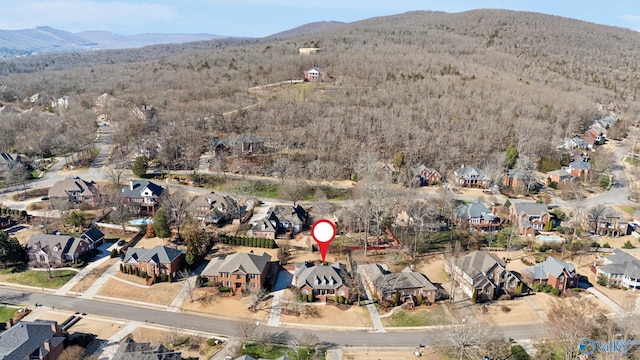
[270,351]
[37,278]
[420,317]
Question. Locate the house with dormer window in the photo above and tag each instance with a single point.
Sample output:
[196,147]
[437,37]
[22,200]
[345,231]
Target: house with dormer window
[529,216]
[157,260]
[559,274]
[143,193]
[471,176]
[240,271]
[322,281]
[476,216]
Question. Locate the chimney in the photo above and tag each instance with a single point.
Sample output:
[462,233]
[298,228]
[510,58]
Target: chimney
[9,323]
[47,345]
[131,185]
[462,166]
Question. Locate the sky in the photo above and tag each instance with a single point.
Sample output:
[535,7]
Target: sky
[258,18]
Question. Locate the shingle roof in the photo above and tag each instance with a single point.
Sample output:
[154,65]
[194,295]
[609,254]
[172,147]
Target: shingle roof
[479,263]
[621,262]
[551,266]
[386,281]
[580,165]
[158,254]
[246,263]
[470,172]
[320,276]
[530,208]
[264,224]
[94,234]
[294,215]
[136,188]
[75,185]
[22,339]
[62,242]
[559,173]
[474,210]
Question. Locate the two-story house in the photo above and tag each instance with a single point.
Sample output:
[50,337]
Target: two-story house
[530,217]
[323,281]
[471,176]
[425,176]
[157,260]
[621,269]
[214,209]
[408,284]
[240,271]
[281,221]
[579,169]
[559,274]
[610,224]
[482,276]
[476,216]
[314,74]
[74,191]
[37,340]
[53,250]
[143,193]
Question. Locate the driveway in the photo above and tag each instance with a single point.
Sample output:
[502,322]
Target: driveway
[282,282]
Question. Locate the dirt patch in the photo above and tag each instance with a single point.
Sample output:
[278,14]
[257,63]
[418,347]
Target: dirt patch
[24,235]
[131,278]
[433,267]
[223,249]
[161,294]
[102,328]
[516,311]
[91,277]
[389,354]
[188,344]
[355,316]
[59,316]
[207,301]
[546,301]
[148,243]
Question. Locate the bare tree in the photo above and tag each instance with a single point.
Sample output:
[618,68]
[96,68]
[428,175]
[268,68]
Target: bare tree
[421,214]
[572,321]
[247,329]
[596,215]
[176,205]
[114,174]
[466,341]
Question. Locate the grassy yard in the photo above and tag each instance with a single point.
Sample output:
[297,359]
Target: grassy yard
[36,278]
[420,317]
[6,313]
[270,351]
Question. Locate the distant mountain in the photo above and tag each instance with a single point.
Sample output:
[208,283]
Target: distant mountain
[46,39]
[307,29]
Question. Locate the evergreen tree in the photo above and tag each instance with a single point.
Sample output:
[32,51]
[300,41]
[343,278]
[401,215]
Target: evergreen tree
[140,166]
[10,250]
[161,223]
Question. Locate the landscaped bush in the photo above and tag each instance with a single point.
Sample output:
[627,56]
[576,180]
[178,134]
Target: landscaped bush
[555,292]
[248,241]
[164,277]
[310,298]
[224,289]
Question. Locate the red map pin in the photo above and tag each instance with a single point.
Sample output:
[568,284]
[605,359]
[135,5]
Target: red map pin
[323,232]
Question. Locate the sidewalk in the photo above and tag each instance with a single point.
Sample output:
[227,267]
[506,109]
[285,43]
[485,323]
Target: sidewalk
[80,275]
[283,280]
[606,300]
[373,312]
[97,285]
[187,285]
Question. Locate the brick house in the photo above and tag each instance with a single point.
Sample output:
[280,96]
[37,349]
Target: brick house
[37,340]
[323,281]
[144,193]
[425,176]
[529,217]
[559,274]
[482,275]
[315,74]
[558,176]
[517,179]
[282,221]
[264,228]
[476,216]
[74,191]
[579,169]
[157,260]
[54,250]
[621,269]
[407,284]
[214,209]
[471,176]
[239,271]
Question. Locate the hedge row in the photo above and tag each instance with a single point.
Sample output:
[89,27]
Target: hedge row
[248,241]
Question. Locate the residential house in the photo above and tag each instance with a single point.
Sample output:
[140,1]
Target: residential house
[220,147]
[559,274]
[264,228]
[476,216]
[579,169]
[94,236]
[530,217]
[408,284]
[314,74]
[143,193]
[610,224]
[246,144]
[425,176]
[214,209]
[309,50]
[287,221]
[239,271]
[37,340]
[8,161]
[558,176]
[157,260]
[130,349]
[483,276]
[592,137]
[323,281]
[620,269]
[53,250]
[471,176]
[517,179]
[62,102]
[74,190]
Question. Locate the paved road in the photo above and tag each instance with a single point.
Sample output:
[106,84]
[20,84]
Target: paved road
[619,192]
[428,336]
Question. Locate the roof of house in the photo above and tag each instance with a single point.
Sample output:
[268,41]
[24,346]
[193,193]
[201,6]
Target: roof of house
[478,264]
[580,165]
[520,175]
[579,142]
[473,211]
[73,185]
[94,234]
[62,242]
[294,215]
[316,69]
[551,266]
[130,349]
[387,281]
[24,338]
[136,187]
[158,254]
[621,262]
[470,171]
[530,208]
[264,225]
[558,173]
[243,262]
[319,276]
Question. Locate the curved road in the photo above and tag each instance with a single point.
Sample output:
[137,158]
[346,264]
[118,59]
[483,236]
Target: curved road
[427,336]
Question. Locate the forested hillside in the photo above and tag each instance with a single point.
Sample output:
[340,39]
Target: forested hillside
[445,89]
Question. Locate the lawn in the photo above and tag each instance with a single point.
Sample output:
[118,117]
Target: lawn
[6,313]
[37,278]
[271,351]
[420,317]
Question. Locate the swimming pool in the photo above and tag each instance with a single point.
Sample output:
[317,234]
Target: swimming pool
[141,221]
[550,238]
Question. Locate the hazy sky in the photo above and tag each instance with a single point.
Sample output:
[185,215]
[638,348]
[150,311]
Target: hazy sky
[257,18]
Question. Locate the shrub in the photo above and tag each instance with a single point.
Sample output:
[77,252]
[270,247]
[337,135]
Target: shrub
[114,253]
[121,268]
[628,245]
[224,289]
[310,298]
[606,245]
[213,342]
[164,277]
[555,292]
[547,288]
[505,308]
[602,280]
[560,229]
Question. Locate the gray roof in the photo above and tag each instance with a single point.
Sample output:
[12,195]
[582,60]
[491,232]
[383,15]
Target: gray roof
[294,215]
[264,224]
[319,276]
[62,243]
[243,262]
[581,165]
[470,172]
[551,266]
[621,262]
[136,187]
[130,349]
[530,208]
[559,173]
[407,279]
[158,254]
[25,338]
[473,211]
[73,185]
[520,174]
[479,263]
[94,234]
